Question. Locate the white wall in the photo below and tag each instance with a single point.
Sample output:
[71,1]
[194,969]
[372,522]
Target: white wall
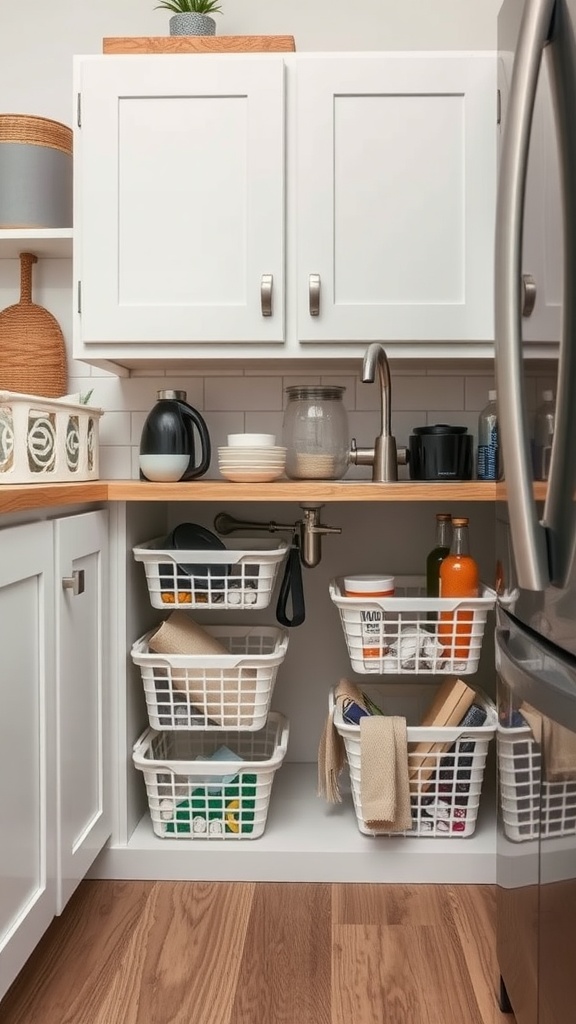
[38,39]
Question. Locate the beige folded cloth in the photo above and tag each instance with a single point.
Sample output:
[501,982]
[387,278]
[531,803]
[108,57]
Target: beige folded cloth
[557,742]
[331,752]
[384,782]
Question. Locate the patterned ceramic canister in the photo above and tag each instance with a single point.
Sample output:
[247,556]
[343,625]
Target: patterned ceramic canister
[191,23]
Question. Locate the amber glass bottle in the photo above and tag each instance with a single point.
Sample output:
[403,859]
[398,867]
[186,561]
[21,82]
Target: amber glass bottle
[458,578]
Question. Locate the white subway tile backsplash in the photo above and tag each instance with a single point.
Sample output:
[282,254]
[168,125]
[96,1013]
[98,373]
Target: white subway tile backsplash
[265,423]
[476,391]
[136,424]
[428,392]
[115,429]
[220,424]
[115,462]
[242,393]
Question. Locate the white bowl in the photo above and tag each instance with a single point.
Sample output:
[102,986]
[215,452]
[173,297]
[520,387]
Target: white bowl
[163,468]
[251,440]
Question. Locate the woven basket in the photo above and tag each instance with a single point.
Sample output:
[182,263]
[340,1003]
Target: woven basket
[32,347]
[36,131]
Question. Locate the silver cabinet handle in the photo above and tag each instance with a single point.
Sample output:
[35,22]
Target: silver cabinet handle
[528,536]
[528,295]
[266,294]
[75,582]
[314,294]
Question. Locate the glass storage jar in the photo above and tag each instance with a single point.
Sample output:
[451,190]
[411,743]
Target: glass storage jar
[315,433]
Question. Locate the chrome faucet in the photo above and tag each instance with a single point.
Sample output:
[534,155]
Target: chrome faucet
[383,457]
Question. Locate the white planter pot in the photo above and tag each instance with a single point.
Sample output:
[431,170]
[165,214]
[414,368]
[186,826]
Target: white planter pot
[192,24]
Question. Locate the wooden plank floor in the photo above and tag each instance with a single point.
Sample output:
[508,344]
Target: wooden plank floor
[266,953]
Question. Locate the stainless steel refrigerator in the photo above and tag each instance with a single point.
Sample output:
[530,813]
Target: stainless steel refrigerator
[536,612]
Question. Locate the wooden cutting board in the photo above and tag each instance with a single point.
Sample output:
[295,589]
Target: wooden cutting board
[32,348]
[198,44]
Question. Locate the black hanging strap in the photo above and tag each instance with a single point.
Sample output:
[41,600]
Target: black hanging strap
[292,590]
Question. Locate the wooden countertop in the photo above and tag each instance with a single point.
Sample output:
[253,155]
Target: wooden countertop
[17,498]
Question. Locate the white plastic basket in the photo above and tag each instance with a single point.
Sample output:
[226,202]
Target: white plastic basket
[241,577]
[412,633]
[446,780]
[191,798]
[47,440]
[531,806]
[213,691]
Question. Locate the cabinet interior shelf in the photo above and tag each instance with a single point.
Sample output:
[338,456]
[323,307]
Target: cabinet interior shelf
[49,243]
[308,840]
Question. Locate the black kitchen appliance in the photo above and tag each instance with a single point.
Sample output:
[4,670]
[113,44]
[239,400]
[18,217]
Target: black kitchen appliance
[440,452]
[170,429]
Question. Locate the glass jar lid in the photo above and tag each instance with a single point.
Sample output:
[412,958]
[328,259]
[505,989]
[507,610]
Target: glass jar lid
[314,392]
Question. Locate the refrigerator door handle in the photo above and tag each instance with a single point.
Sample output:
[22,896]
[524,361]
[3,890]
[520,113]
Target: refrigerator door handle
[528,535]
[559,510]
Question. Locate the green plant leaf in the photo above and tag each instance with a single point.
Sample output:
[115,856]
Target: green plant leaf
[190,6]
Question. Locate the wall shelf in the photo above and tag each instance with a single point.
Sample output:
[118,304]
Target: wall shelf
[18,498]
[49,243]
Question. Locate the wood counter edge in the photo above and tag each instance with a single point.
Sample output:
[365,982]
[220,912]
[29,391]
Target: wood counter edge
[16,498]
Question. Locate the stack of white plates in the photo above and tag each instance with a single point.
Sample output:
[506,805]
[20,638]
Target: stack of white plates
[252,465]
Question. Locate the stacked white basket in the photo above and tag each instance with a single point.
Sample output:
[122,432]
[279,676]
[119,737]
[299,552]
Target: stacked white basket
[445,797]
[201,707]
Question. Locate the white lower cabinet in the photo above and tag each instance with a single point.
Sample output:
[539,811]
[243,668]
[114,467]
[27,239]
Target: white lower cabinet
[83,768]
[28,744]
[54,805]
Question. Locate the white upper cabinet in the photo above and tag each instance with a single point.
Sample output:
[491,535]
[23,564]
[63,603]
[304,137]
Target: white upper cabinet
[199,233]
[180,199]
[396,192]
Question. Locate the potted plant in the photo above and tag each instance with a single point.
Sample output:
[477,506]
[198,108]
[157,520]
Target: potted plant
[191,17]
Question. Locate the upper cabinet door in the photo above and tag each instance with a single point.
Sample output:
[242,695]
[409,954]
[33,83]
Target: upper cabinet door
[180,199]
[396,197]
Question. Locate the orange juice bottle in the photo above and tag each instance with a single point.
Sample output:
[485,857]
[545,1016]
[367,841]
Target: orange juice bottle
[458,578]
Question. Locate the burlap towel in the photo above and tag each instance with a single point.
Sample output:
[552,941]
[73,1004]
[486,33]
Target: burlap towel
[384,783]
[331,752]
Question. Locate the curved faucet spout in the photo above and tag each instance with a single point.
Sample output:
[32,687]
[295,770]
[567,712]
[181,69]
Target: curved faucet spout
[376,357]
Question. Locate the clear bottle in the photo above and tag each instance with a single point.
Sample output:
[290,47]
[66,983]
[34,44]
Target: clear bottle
[544,423]
[438,553]
[459,577]
[488,467]
[315,433]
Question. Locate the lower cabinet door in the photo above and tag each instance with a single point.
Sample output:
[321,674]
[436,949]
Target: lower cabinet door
[83,761]
[27,744]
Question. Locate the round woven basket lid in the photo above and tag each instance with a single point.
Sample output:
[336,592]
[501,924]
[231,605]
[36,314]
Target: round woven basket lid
[35,131]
